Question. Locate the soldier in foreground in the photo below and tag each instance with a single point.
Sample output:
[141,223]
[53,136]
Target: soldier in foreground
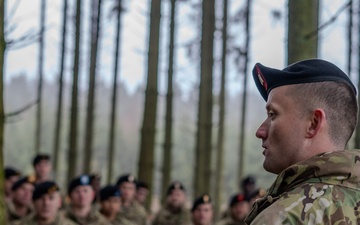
[80,209]
[312,113]
[130,209]
[202,211]
[47,202]
[174,212]
[111,205]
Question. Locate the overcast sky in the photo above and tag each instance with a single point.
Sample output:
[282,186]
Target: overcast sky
[268,40]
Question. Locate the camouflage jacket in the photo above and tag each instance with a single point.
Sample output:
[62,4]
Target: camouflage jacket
[12,214]
[31,220]
[166,217]
[230,221]
[94,218]
[136,213]
[324,189]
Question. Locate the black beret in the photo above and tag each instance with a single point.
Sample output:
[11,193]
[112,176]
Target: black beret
[47,187]
[40,157]
[109,191]
[237,198]
[9,172]
[248,180]
[307,71]
[175,185]
[82,180]
[126,178]
[203,199]
[142,184]
[28,179]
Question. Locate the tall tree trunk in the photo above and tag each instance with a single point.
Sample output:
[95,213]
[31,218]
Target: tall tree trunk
[74,98]
[244,95]
[219,184]
[2,56]
[167,154]
[95,30]
[146,161]
[303,21]
[60,96]
[39,91]
[350,37]
[357,130]
[204,125]
[111,149]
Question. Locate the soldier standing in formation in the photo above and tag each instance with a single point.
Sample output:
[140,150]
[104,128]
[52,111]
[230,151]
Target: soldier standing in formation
[202,211]
[42,168]
[81,196]
[11,176]
[130,209]
[47,202]
[174,212]
[238,209]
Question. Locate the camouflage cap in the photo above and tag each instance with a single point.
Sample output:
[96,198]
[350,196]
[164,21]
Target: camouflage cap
[47,187]
[109,191]
[203,199]
[126,178]
[307,71]
[28,179]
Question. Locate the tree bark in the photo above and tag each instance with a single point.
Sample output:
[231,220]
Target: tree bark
[303,21]
[2,116]
[111,149]
[204,125]
[89,127]
[167,154]
[72,156]
[244,95]
[40,82]
[146,161]
[60,95]
[220,145]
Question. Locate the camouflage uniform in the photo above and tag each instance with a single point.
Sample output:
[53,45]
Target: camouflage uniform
[31,220]
[230,221]
[324,189]
[167,217]
[120,220]
[11,213]
[94,218]
[135,213]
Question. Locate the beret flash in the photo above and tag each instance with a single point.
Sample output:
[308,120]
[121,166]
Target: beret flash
[307,71]
[126,178]
[47,187]
[175,185]
[236,199]
[109,191]
[40,157]
[28,179]
[9,172]
[83,180]
[203,199]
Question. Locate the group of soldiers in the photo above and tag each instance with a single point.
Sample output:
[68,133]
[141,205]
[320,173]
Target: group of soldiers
[37,199]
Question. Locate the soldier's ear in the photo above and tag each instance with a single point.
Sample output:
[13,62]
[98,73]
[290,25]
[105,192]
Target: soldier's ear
[316,123]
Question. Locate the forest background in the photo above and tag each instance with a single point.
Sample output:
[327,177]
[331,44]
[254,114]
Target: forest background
[268,42]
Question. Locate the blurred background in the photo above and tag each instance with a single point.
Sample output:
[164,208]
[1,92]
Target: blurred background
[160,89]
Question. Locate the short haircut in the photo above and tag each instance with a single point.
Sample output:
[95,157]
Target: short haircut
[338,101]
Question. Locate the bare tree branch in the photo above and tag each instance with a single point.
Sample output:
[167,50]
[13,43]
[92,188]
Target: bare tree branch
[330,21]
[12,12]
[23,109]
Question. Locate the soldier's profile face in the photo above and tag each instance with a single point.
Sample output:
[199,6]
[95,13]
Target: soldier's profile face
[282,132]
